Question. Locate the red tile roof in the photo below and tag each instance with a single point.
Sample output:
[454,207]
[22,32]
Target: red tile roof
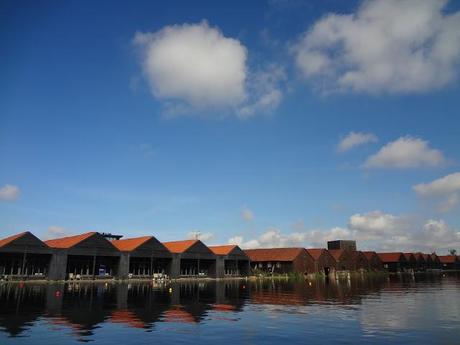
[447,259]
[179,246]
[130,244]
[69,241]
[274,254]
[315,253]
[369,255]
[337,253]
[390,257]
[223,250]
[8,240]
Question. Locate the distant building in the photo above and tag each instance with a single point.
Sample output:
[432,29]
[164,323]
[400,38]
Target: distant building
[374,262]
[324,261]
[281,260]
[341,244]
[449,262]
[393,262]
[345,259]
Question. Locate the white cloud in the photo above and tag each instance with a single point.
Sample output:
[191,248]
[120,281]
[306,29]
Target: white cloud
[194,67]
[354,139]
[9,192]
[386,46]
[247,214]
[406,152]
[55,232]
[446,188]
[202,236]
[374,230]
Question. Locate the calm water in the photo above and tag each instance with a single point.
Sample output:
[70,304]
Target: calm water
[424,310]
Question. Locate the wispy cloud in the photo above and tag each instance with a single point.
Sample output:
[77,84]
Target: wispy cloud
[9,192]
[354,139]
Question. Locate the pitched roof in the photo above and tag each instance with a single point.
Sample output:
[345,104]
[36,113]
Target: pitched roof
[179,246]
[448,259]
[337,253]
[419,256]
[8,240]
[427,257]
[274,254]
[390,257]
[222,250]
[316,253]
[69,241]
[130,244]
[369,254]
[409,255]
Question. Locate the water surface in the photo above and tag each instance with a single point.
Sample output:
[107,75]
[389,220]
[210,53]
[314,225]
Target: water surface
[420,310]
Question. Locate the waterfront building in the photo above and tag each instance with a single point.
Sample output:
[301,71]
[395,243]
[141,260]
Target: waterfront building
[411,261]
[323,260]
[393,262]
[86,256]
[360,261]
[344,258]
[143,257]
[373,261]
[24,256]
[191,258]
[420,261]
[436,264]
[428,261]
[281,260]
[231,261]
[449,262]
[341,244]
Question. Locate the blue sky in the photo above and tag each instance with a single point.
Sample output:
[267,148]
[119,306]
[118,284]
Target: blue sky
[107,124]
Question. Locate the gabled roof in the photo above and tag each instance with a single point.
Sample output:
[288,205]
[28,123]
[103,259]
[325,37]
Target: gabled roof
[409,256]
[427,257]
[419,256]
[8,240]
[179,246]
[391,257]
[337,253]
[130,244]
[369,255]
[448,259]
[223,250]
[274,254]
[316,253]
[69,241]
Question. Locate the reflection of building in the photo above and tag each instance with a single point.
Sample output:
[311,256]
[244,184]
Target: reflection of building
[143,257]
[24,256]
[85,256]
[191,258]
[281,260]
[231,261]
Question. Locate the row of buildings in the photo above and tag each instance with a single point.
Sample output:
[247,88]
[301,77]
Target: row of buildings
[94,255]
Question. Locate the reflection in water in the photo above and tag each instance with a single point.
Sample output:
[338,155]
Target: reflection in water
[375,307]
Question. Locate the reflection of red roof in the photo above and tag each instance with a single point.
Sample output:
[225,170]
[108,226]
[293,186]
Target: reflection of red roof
[447,259]
[222,250]
[176,314]
[224,307]
[7,240]
[127,317]
[69,241]
[315,253]
[179,246]
[274,254]
[130,244]
[391,257]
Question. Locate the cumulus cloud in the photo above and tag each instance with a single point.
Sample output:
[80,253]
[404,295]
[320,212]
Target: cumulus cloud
[374,230]
[445,189]
[406,152]
[354,139]
[195,67]
[393,46]
[55,232]
[9,192]
[202,236]
[247,214]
